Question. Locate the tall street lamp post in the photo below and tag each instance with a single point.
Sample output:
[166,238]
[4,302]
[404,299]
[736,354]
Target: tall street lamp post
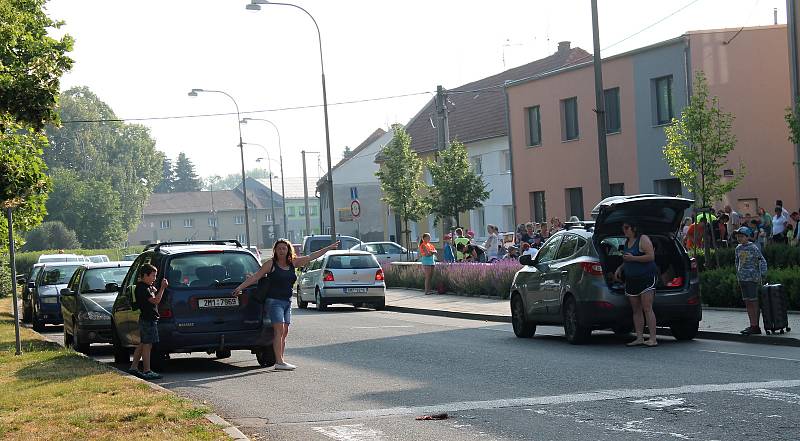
[271,195]
[255,5]
[280,157]
[194,92]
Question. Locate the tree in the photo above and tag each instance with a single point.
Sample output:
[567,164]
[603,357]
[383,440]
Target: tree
[456,187]
[347,152]
[401,182]
[167,184]
[185,177]
[51,236]
[231,181]
[31,62]
[698,145]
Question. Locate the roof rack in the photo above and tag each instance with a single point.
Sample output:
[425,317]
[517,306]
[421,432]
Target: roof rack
[156,246]
[584,225]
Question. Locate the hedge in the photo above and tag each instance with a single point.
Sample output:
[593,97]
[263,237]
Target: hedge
[472,279]
[718,287]
[778,256]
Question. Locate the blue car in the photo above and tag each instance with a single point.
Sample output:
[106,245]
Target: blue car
[45,298]
[198,312]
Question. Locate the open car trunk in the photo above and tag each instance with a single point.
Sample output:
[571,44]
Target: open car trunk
[673,268]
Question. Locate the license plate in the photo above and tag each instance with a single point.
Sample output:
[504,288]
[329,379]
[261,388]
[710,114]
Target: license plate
[218,303]
[356,290]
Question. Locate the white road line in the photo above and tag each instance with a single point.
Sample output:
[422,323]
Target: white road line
[351,432]
[579,397]
[381,327]
[750,355]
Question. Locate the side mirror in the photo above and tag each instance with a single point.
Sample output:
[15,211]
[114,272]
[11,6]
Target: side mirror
[32,284]
[67,292]
[526,260]
[112,287]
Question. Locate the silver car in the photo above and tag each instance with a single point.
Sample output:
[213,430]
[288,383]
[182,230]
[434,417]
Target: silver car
[387,252]
[348,276]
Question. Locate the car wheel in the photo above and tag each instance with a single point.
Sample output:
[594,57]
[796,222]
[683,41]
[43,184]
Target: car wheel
[321,306]
[26,312]
[121,355]
[224,353]
[522,327]
[265,356]
[381,305]
[38,324]
[574,330]
[78,345]
[686,330]
[301,303]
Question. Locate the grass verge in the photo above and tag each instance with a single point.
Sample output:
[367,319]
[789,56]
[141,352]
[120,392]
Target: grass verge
[50,392]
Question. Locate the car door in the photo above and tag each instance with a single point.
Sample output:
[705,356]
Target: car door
[69,304]
[536,278]
[556,277]
[379,251]
[125,318]
[394,253]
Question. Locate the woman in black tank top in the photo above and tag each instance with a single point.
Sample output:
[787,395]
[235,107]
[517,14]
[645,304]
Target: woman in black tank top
[282,278]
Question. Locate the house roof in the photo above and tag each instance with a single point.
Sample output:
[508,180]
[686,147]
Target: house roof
[477,109]
[353,153]
[294,186]
[196,202]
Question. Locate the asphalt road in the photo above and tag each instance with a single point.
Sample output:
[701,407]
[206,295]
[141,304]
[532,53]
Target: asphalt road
[366,375]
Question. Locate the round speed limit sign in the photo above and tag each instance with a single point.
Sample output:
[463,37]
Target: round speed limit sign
[355,208]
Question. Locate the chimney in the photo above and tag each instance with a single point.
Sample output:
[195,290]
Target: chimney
[563,46]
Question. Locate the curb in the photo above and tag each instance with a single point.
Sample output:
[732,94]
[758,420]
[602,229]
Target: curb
[706,335]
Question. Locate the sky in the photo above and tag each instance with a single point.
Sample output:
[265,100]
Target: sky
[143,57]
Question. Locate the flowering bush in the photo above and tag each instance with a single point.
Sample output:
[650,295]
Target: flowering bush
[493,279]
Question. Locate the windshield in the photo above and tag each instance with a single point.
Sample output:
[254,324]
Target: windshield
[95,280]
[207,270]
[58,275]
[352,262]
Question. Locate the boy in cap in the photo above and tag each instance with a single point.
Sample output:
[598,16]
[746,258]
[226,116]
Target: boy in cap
[751,266]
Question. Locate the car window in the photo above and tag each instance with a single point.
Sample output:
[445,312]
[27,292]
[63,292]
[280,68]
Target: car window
[59,275]
[347,243]
[611,245]
[34,273]
[352,262]
[548,250]
[581,243]
[206,270]
[392,248]
[568,246]
[374,248]
[315,245]
[75,280]
[95,279]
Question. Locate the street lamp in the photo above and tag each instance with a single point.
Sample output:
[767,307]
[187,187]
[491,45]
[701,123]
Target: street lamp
[194,92]
[280,153]
[255,5]
[271,195]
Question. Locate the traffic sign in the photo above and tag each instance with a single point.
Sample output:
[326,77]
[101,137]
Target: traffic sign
[355,208]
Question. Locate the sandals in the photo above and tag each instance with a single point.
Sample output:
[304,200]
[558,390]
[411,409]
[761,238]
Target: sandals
[635,343]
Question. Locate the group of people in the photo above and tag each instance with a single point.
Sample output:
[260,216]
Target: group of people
[780,227]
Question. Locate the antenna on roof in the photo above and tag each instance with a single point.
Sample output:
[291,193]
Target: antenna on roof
[775,15]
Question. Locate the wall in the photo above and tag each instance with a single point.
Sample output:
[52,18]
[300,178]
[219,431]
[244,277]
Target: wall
[498,183]
[149,231]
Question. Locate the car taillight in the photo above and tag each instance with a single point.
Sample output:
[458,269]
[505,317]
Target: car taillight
[693,264]
[165,313]
[693,300]
[674,283]
[327,276]
[379,274]
[593,268]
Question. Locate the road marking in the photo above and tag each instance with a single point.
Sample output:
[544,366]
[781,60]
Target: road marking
[579,397]
[750,355]
[381,327]
[351,432]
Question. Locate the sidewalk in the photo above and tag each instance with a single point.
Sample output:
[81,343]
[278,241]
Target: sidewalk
[717,324]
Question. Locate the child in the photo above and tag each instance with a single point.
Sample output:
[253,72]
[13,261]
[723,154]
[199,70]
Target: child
[147,302]
[751,266]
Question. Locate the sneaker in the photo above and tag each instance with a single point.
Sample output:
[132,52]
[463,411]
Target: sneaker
[150,375]
[284,367]
[751,330]
[135,372]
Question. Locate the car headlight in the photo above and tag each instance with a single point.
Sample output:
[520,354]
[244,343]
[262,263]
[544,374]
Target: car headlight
[93,315]
[49,299]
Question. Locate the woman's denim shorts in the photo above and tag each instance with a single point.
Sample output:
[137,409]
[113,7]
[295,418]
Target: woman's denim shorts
[280,311]
[148,331]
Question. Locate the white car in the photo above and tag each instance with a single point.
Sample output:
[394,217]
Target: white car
[52,258]
[387,252]
[348,276]
[100,258]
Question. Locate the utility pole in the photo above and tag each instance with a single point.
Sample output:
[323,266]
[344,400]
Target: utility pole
[442,127]
[600,110]
[305,194]
[794,75]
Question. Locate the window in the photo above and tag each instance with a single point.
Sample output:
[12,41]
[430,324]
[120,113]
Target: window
[241,238]
[238,220]
[663,99]
[505,160]
[569,119]
[667,187]
[477,164]
[188,223]
[618,189]
[574,199]
[212,222]
[301,211]
[613,123]
[508,217]
[290,211]
[534,126]
[538,211]
[568,246]
[268,217]
[548,250]
[164,225]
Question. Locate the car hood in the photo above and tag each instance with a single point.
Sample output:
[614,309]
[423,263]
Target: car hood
[653,213]
[98,302]
[50,290]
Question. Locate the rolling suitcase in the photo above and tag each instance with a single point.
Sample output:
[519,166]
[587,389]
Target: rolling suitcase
[774,308]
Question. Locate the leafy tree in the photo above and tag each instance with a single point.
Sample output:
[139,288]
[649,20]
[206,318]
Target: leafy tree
[185,177]
[347,152]
[698,145]
[401,180]
[231,181]
[50,236]
[167,184]
[31,62]
[456,187]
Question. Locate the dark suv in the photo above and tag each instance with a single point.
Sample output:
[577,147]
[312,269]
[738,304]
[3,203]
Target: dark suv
[570,283]
[198,312]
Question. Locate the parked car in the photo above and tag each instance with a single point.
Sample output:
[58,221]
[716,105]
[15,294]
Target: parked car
[100,258]
[256,252]
[27,293]
[50,258]
[129,257]
[342,276]
[198,312]
[387,252]
[86,303]
[319,241]
[45,297]
[570,283]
